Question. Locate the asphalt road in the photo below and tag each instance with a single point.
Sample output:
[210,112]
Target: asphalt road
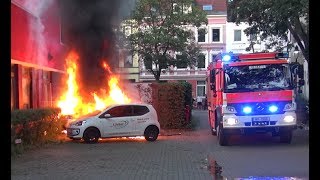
[175,155]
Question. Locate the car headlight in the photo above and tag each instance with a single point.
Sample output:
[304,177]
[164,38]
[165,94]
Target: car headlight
[231,121]
[80,123]
[288,119]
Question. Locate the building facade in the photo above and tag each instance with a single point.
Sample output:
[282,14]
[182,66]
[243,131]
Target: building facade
[212,43]
[220,36]
[36,53]
[238,41]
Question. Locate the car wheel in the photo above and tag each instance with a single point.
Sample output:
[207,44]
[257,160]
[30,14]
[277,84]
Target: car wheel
[91,135]
[222,137]
[151,133]
[286,136]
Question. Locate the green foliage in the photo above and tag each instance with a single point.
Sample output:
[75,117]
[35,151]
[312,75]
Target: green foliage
[27,115]
[169,101]
[273,19]
[35,127]
[161,29]
[187,93]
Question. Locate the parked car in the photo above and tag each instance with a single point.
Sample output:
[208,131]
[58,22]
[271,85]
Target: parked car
[120,120]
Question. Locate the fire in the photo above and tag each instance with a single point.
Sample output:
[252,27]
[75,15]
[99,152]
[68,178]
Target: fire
[106,67]
[71,102]
[116,93]
[70,99]
[100,105]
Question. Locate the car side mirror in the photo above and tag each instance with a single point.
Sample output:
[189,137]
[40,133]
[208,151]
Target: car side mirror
[212,86]
[107,115]
[301,82]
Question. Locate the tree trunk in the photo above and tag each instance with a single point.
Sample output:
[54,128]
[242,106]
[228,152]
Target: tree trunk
[157,75]
[304,49]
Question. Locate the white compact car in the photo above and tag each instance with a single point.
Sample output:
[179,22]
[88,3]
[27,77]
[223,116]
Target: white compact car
[120,120]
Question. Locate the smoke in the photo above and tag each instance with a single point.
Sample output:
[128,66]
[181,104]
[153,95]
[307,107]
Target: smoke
[38,50]
[88,28]
[37,7]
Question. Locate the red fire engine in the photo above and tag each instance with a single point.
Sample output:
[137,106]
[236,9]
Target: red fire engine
[251,93]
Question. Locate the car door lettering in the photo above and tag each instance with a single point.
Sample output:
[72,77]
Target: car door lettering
[119,125]
[142,120]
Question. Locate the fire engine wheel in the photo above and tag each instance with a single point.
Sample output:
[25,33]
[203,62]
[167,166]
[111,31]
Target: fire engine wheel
[151,133]
[222,137]
[286,136]
[91,135]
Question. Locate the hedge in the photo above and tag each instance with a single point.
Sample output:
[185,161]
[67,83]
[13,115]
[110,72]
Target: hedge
[34,127]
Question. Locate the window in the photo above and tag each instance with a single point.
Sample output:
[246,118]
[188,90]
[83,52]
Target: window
[26,87]
[46,90]
[215,35]
[262,77]
[201,88]
[201,61]
[140,110]
[128,60]
[202,35]
[120,111]
[186,9]
[237,35]
[207,7]
[181,61]
[213,56]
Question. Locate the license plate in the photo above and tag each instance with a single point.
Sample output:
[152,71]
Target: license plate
[261,119]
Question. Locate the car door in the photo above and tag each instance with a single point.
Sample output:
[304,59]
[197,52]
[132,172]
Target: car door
[141,118]
[119,122]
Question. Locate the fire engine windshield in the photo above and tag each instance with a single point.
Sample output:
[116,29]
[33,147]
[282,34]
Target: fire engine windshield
[271,77]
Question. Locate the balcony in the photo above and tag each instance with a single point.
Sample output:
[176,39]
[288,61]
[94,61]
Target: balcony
[176,74]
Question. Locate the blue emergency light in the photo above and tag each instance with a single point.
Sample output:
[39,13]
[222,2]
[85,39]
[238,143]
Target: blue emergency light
[247,109]
[226,57]
[273,108]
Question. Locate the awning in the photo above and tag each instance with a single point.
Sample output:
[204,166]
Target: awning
[36,66]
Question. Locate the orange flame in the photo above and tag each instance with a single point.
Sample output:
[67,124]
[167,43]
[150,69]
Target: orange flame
[71,102]
[100,105]
[116,93]
[106,67]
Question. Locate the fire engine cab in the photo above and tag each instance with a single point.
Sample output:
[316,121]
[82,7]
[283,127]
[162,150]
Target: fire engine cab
[251,93]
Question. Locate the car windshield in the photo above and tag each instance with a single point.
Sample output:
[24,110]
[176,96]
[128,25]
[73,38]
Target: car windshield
[94,113]
[271,77]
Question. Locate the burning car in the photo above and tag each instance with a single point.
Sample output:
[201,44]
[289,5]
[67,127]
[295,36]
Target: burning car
[118,120]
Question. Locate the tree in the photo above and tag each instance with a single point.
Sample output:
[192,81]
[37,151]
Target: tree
[163,28]
[274,19]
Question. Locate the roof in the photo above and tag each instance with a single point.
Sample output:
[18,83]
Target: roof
[218,6]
